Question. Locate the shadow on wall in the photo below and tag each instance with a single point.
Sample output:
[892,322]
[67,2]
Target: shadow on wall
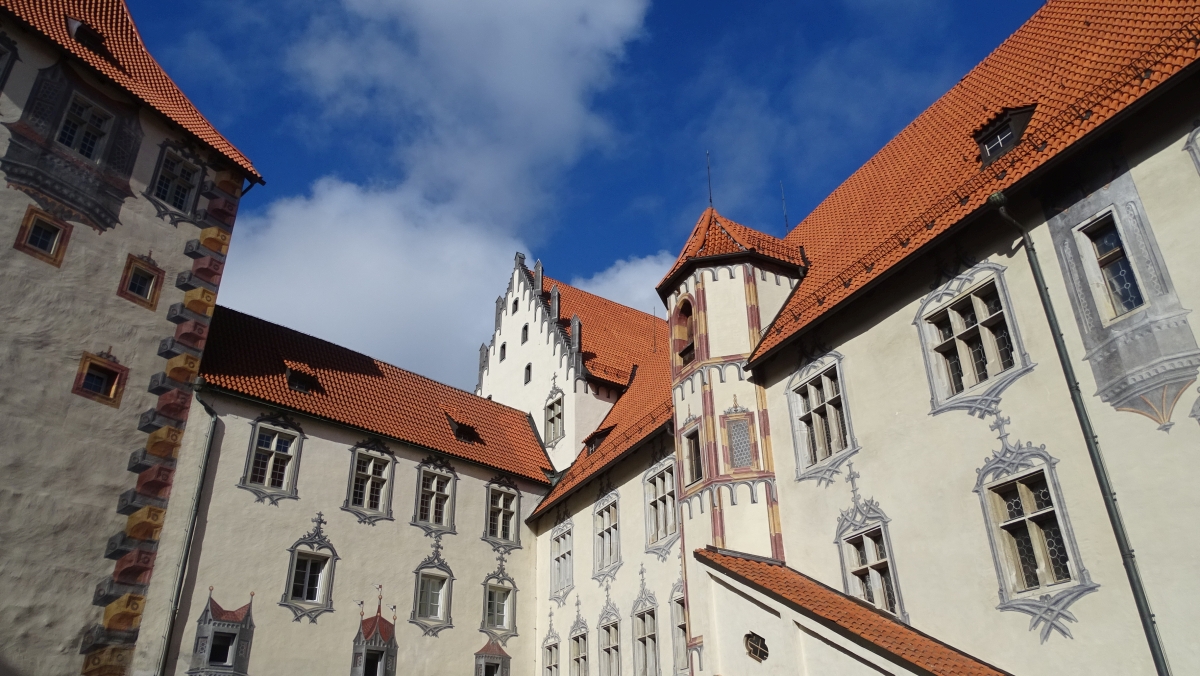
[8,670]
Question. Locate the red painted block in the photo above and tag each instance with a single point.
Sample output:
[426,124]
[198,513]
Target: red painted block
[135,567]
[193,334]
[175,404]
[156,481]
[208,268]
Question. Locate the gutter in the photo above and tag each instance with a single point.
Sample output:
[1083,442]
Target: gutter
[1140,599]
[173,614]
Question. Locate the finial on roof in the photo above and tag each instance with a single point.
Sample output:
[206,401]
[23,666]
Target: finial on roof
[379,608]
[708,166]
[361,612]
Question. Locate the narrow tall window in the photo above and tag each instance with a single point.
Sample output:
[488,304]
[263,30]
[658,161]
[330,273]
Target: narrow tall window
[307,579]
[176,182]
[503,351]
[660,504]
[1124,294]
[645,644]
[608,536]
[679,625]
[579,655]
[870,570]
[822,415]
[528,373]
[695,460]
[516,306]
[496,616]
[554,420]
[370,478]
[684,337]
[550,659]
[610,649]
[1025,514]
[433,503]
[562,570]
[971,339]
[741,452]
[501,511]
[430,594]
[84,128]
[524,334]
[272,457]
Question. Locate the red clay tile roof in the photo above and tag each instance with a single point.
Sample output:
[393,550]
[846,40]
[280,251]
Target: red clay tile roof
[715,235]
[249,356]
[221,615]
[492,648]
[615,336]
[1080,61]
[132,67]
[847,615]
[386,629]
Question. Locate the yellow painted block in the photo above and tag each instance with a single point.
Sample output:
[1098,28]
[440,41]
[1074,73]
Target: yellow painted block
[124,613]
[183,367]
[200,301]
[146,523]
[164,442]
[215,239]
[108,661]
[229,182]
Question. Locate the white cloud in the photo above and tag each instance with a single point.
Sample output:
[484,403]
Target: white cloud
[631,281]
[485,104]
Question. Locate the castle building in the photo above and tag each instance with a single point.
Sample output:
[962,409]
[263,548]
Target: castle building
[891,441]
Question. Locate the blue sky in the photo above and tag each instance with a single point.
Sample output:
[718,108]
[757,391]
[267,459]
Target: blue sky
[410,148]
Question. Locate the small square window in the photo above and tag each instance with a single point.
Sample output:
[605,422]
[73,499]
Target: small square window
[43,236]
[221,653]
[141,281]
[100,378]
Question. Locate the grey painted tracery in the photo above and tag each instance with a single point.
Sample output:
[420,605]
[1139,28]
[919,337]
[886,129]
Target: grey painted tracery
[314,541]
[825,470]
[862,517]
[434,562]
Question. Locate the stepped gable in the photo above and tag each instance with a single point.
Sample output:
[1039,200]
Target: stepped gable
[119,55]
[716,236]
[251,356]
[642,410]
[1080,62]
[615,337]
[845,614]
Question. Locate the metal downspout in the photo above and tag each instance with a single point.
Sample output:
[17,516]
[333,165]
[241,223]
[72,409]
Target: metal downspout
[1157,651]
[187,543]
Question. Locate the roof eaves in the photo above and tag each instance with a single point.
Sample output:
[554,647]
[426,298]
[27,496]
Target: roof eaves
[671,280]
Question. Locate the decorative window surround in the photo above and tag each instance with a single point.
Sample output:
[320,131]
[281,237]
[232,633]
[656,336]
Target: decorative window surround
[578,636]
[372,451]
[982,399]
[187,159]
[501,486]
[1048,610]
[434,563]
[562,563]
[101,378]
[1145,359]
[555,426]
[314,542]
[866,518]
[8,56]
[692,448]
[662,512]
[607,527]
[231,632]
[645,630]
[277,424]
[827,468]
[43,236]
[679,633]
[436,466]
[740,452]
[609,638]
[141,281]
[551,650]
[500,580]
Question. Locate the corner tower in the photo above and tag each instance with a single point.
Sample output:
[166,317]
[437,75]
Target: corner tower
[728,282]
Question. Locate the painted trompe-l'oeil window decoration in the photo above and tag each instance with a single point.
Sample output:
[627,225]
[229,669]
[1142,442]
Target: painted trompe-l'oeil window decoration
[223,640]
[865,551]
[375,646]
[433,508]
[606,520]
[662,513]
[369,487]
[822,428]
[308,591]
[562,560]
[499,604]
[502,529]
[433,592]
[273,459]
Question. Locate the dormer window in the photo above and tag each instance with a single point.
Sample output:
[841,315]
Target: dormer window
[87,36]
[1002,134]
[304,383]
[464,432]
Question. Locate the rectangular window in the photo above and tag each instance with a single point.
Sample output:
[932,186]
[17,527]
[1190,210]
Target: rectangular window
[501,511]
[660,504]
[645,644]
[272,456]
[373,665]
[497,608]
[971,339]
[84,128]
[176,181]
[1025,514]
[550,659]
[43,236]
[822,415]
[579,655]
[370,477]
[141,281]
[100,378]
[679,619]
[1123,292]
[695,460]
[429,601]
[610,650]
[608,537]
[433,506]
[562,567]
[870,570]
[221,653]
[554,420]
[308,578]
[741,455]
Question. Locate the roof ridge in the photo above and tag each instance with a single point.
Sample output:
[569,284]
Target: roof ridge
[562,284]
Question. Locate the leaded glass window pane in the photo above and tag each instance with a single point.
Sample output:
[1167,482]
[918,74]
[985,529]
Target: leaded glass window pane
[739,443]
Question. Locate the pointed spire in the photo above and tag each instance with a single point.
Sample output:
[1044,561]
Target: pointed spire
[537,278]
[554,299]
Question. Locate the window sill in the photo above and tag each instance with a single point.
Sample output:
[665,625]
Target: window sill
[271,495]
[433,529]
[500,545]
[368,516]
[824,471]
[559,596]
[981,399]
[431,627]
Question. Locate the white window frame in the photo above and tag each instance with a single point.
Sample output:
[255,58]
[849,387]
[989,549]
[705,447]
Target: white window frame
[435,468]
[502,486]
[555,430]
[433,566]
[498,595]
[662,507]
[1095,276]
[314,544]
[276,425]
[609,645]
[978,397]
[379,457]
[606,537]
[562,561]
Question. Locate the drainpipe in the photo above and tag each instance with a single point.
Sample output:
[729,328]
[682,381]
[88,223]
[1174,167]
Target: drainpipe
[1157,651]
[187,541]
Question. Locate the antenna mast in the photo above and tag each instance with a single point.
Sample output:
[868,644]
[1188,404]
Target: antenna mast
[708,165]
[784,199]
